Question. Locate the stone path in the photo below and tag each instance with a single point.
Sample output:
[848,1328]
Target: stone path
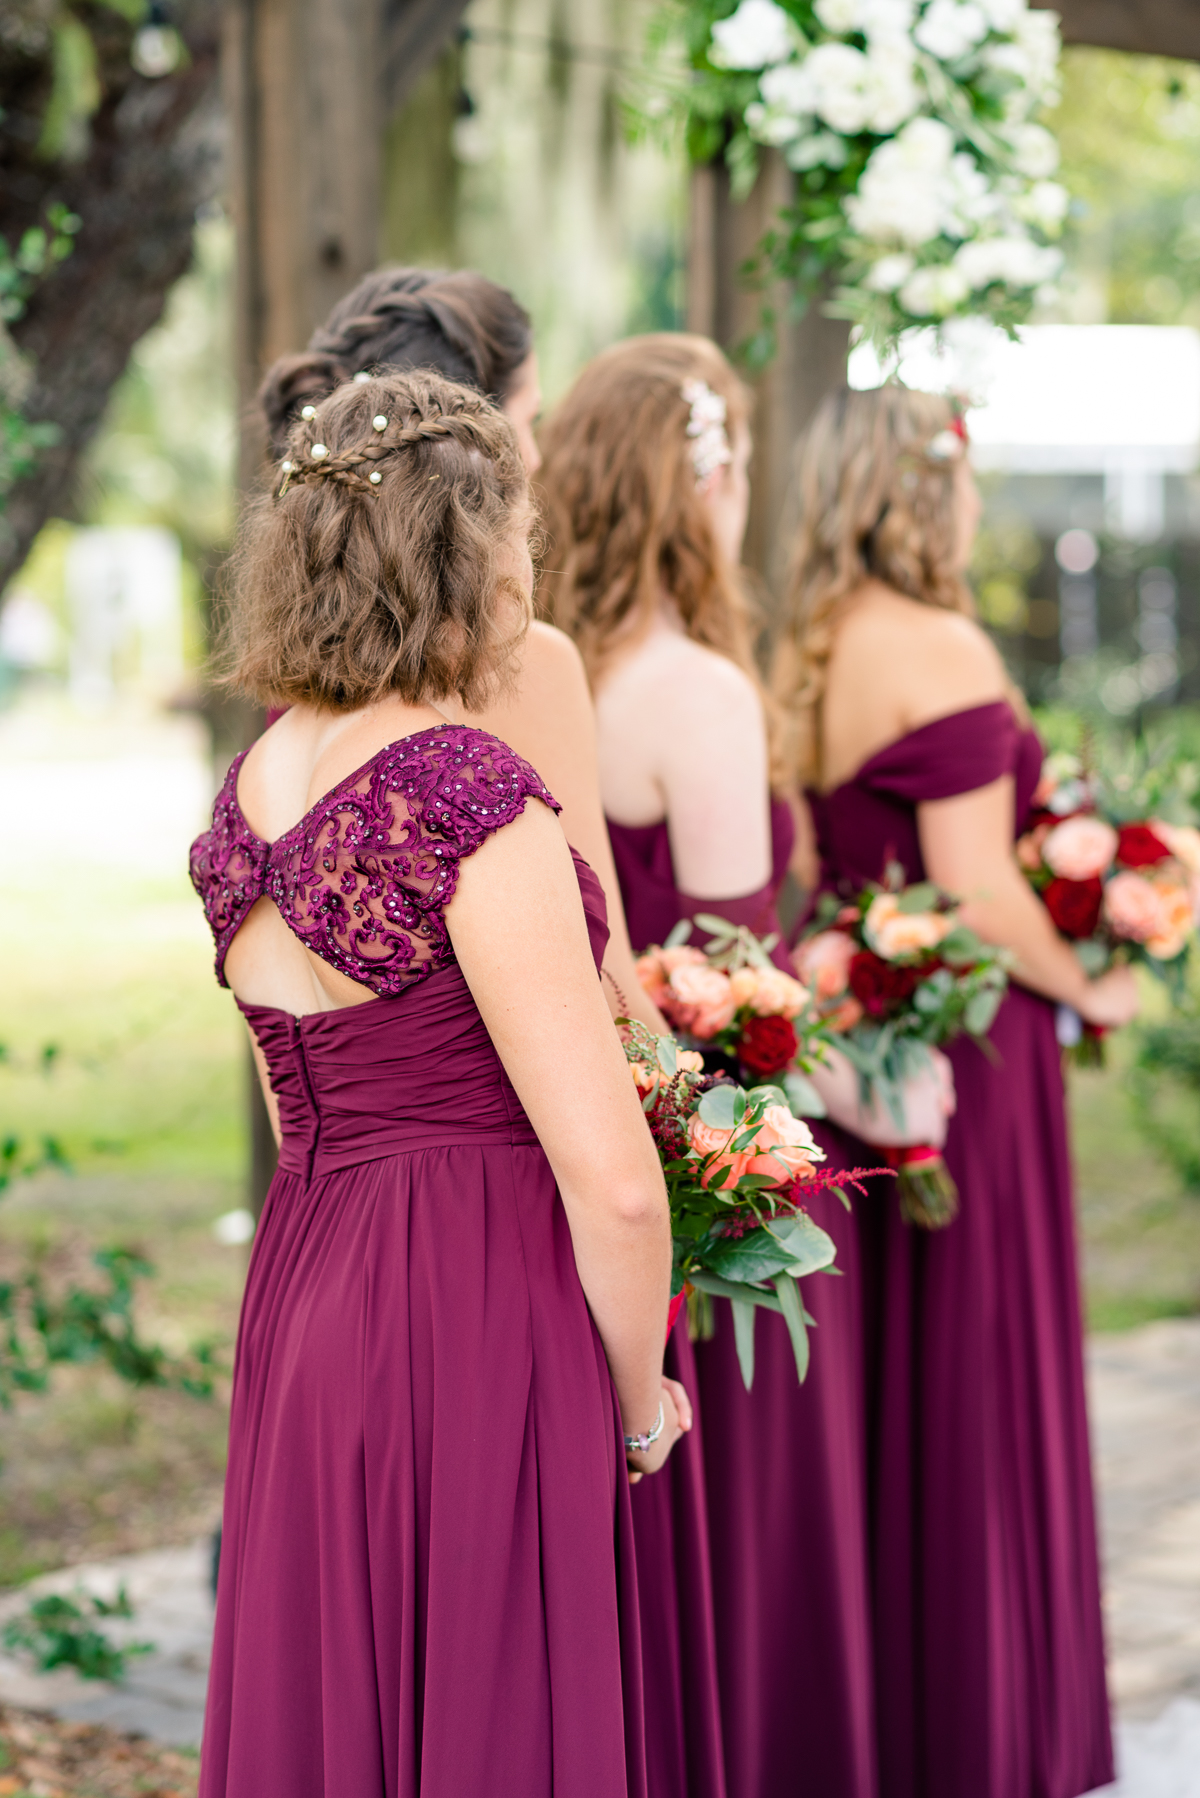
[162,1695]
[1145,1388]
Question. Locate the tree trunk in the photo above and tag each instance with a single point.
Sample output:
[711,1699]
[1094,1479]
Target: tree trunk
[810,356]
[135,173]
[1153,27]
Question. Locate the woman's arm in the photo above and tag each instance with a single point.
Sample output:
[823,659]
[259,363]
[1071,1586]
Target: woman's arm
[551,721]
[709,752]
[966,843]
[520,938]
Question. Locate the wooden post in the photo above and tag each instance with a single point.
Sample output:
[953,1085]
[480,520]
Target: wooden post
[304,98]
[810,358]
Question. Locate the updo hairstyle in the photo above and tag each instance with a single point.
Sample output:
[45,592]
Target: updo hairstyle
[462,325]
[373,563]
[875,498]
[624,515]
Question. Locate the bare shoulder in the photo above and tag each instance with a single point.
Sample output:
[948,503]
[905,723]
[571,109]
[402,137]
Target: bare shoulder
[933,660]
[548,654]
[680,674]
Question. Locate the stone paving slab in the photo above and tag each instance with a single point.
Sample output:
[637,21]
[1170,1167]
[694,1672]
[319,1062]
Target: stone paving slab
[162,1695]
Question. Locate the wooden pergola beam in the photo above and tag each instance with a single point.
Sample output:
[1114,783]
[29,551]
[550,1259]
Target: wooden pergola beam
[1151,27]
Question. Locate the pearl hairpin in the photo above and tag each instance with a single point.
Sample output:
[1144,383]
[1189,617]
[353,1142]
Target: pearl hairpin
[287,467]
[362,375]
[308,412]
[380,422]
[318,452]
[375,477]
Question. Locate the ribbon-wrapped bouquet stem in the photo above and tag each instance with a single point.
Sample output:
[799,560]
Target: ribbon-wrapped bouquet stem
[896,973]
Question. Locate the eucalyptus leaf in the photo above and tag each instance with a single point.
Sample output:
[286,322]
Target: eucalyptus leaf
[962,948]
[679,935]
[980,1013]
[721,928]
[803,1097]
[716,1107]
[769,1095]
[743,1336]
[921,897]
[668,1056]
[727,1289]
[794,1314]
[809,1247]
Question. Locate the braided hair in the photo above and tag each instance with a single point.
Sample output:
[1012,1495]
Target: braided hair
[461,324]
[375,559]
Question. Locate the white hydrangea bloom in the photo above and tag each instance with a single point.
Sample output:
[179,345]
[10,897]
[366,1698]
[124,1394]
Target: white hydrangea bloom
[1035,151]
[1002,15]
[1015,261]
[788,88]
[852,92]
[933,292]
[903,194]
[823,150]
[950,28]
[840,16]
[758,34]
[890,272]
[1045,206]
[888,22]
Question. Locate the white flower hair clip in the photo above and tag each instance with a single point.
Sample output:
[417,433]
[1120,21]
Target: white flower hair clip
[706,428]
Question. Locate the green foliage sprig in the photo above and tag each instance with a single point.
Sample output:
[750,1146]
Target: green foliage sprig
[61,1632]
[86,1324]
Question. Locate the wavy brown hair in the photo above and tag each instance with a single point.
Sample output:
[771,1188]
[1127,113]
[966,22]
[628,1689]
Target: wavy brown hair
[872,503]
[623,517]
[374,563]
[466,327]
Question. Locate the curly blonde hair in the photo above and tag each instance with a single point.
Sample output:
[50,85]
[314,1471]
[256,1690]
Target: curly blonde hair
[373,561]
[623,516]
[874,502]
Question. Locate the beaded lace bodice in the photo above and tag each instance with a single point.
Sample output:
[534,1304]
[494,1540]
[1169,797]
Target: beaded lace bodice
[365,876]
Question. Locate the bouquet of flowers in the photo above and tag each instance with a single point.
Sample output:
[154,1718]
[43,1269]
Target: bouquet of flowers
[1118,885]
[729,996]
[738,1166]
[895,973]
[924,177]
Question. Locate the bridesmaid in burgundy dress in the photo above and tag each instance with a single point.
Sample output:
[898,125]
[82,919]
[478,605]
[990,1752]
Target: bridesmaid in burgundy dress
[645,477]
[986,1607]
[458,1291]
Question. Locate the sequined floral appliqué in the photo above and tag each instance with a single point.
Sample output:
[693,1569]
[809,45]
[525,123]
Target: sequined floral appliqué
[365,876]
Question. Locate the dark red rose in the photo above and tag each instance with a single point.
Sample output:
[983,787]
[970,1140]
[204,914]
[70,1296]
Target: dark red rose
[1074,905]
[767,1044]
[883,987]
[1138,847]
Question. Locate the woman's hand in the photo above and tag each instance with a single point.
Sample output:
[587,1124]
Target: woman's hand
[1110,1000]
[677,1421]
[929,1103]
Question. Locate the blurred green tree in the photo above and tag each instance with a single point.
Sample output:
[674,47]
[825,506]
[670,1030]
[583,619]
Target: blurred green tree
[1129,128]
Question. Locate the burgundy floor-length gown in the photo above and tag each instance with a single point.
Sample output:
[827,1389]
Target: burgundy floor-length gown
[783,1468]
[427,1579]
[986,1600]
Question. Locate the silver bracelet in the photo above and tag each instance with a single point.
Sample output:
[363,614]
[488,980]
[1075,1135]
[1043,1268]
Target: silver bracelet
[639,1444]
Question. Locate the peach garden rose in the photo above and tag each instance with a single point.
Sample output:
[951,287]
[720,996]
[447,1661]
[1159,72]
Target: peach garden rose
[782,1150]
[823,962]
[1080,848]
[893,933]
[700,999]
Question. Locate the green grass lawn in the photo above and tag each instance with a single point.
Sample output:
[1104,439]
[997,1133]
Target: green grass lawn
[144,1092]
[142,1089]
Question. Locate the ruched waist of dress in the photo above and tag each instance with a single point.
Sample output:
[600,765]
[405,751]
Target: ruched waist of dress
[388,1077]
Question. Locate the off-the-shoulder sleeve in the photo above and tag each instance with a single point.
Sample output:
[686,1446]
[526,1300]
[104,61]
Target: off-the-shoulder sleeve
[955,754]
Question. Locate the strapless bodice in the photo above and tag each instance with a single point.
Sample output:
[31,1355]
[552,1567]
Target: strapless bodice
[654,904]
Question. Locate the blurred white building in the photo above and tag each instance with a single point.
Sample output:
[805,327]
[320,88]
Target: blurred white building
[1117,403]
